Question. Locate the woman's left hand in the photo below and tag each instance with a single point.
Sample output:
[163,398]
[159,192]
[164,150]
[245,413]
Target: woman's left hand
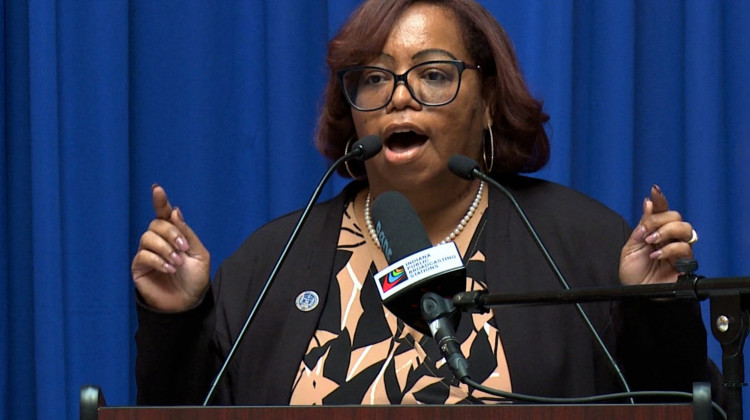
[660,239]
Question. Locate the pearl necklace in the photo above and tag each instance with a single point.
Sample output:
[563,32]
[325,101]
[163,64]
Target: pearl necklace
[461,225]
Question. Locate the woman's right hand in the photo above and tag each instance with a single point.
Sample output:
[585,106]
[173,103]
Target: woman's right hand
[171,269]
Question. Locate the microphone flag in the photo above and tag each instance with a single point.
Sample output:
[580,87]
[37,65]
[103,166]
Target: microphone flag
[437,269]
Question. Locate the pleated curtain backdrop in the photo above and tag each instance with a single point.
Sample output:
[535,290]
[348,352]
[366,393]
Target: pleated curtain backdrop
[217,102]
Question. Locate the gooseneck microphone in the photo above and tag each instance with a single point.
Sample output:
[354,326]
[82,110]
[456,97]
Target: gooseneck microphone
[466,168]
[363,149]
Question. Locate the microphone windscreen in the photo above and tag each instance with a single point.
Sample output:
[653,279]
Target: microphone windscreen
[462,166]
[398,226]
[370,146]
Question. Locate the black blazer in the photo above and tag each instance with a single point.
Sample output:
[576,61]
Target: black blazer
[659,345]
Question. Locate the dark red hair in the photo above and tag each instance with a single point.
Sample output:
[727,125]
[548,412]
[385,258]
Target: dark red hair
[521,144]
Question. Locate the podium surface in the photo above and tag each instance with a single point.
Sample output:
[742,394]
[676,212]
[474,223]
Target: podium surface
[499,412]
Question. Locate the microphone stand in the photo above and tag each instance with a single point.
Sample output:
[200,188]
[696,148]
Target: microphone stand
[729,299]
[729,325]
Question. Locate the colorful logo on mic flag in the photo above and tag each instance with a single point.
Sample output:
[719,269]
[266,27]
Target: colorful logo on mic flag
[426,265]
[394,277]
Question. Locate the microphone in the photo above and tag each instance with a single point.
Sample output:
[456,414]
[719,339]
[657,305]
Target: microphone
[421,280]
[362,149]
[415,266]
[466,168]
[394,214]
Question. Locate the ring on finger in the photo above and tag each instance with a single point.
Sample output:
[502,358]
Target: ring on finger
[694,238]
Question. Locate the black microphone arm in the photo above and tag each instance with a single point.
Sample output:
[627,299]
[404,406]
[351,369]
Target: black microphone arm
[467,168]
[729,319]
[363,149]
[688,286]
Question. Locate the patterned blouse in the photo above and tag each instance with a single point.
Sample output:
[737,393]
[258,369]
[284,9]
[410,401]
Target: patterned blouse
[362,354]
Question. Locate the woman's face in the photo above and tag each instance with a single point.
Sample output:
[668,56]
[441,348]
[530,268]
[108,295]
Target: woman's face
[418,140]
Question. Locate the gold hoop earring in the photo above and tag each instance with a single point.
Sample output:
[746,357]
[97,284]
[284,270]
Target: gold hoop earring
[346,151]
[488,166]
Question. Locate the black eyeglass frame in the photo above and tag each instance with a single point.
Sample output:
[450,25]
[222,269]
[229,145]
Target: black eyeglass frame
[401,78]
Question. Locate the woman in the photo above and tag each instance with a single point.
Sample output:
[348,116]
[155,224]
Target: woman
[432,79]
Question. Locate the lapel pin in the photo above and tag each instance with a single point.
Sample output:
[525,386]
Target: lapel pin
[307,301]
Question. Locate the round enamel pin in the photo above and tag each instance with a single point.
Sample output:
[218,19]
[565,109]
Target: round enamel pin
[307,301]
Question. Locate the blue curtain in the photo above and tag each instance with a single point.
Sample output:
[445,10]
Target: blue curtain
[217,102]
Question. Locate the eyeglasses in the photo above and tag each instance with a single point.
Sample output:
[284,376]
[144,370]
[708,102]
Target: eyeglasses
[432,83]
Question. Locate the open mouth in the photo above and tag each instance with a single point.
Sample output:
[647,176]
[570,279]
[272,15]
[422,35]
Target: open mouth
[402,141]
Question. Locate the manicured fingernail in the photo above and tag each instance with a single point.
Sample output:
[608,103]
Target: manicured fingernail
[658,189]
[650,239]
[176,258]
[169,268]
[182,244]
[640,232]
[153,186]
[655,255]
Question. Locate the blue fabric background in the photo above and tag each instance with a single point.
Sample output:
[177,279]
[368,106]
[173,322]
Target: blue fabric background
[217,101]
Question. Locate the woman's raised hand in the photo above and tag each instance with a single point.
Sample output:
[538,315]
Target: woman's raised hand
[660,239]
[171,269]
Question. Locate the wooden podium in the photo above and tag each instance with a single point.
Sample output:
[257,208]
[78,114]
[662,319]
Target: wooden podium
[93,407]
[557,412]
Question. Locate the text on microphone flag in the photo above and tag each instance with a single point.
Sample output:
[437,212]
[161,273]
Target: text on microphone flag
[408,271]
